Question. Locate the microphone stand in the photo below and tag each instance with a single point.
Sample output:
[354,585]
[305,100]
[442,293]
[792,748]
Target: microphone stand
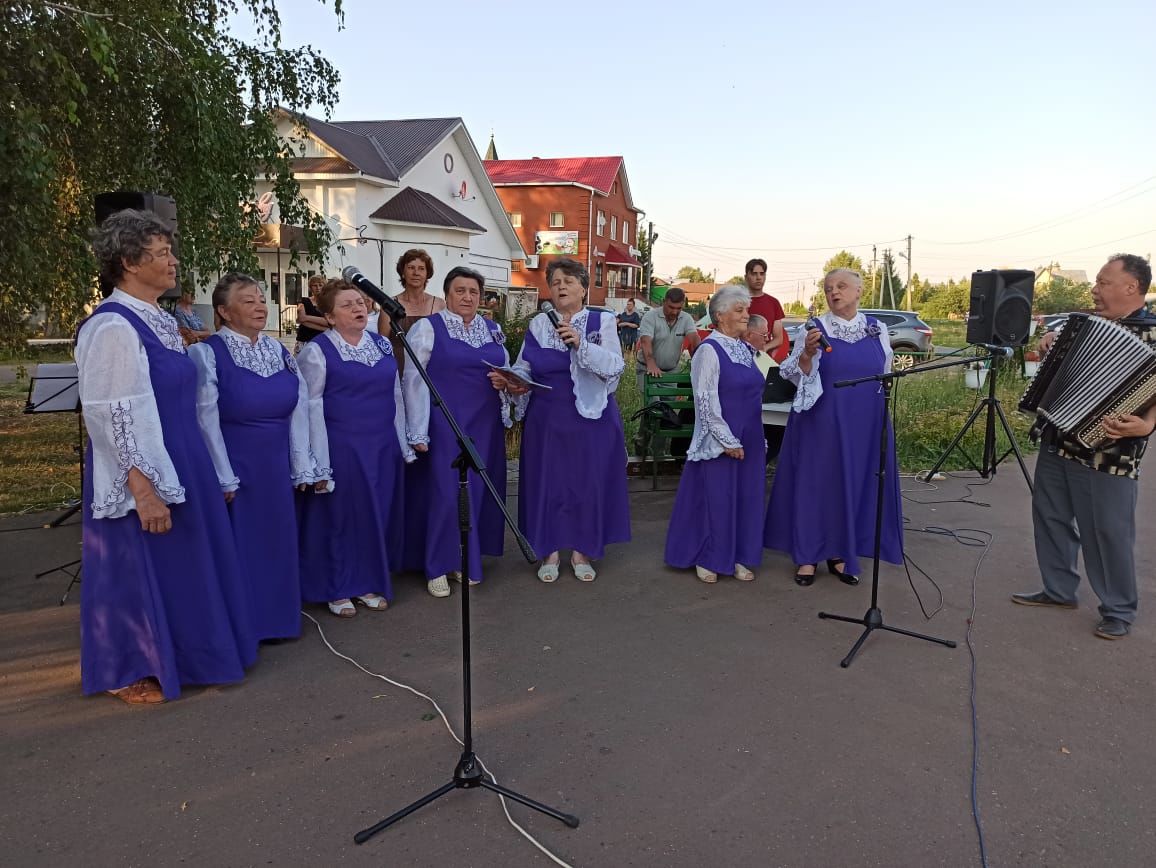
[873,618]
[468,773]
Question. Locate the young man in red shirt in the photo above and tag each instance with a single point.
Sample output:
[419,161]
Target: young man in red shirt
[767,306]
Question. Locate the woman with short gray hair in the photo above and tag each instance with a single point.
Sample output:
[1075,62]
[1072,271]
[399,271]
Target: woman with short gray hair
[162,602]
[831,444]
[716,526]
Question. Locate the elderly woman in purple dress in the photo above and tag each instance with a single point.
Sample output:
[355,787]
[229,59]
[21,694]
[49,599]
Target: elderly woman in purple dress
[457,346]
[572,484]
[351,538]
[717,523]
[822,504]
[253,407]
[163,602]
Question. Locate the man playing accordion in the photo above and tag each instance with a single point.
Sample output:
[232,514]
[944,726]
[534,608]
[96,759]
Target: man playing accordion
[1085,496]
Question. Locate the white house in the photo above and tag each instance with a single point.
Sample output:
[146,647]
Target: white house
[384,187]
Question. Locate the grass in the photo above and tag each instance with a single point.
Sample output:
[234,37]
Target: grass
[948,332]
[38,461]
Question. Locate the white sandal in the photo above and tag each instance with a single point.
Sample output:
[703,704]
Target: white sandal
[373,601]
[342,608]
[583,572]
[438,587]
[548,573]
[706,575]
[743,574]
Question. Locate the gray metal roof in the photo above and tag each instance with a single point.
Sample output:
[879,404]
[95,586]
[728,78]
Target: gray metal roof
[417,206]
[384,149]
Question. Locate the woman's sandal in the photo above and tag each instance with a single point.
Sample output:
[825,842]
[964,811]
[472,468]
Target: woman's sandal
[146,691]
[805,579]
[373,601]
[844,577]
[705,575]
[548,573]
[342,608]
[584,572]
[743,574]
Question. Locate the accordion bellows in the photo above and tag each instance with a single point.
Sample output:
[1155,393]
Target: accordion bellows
[1095,368]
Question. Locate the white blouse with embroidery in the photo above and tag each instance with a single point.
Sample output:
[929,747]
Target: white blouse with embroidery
[712,434]
[311,359]
[120,409]
[264,358]
[810,387]
[595,366]
[422,338]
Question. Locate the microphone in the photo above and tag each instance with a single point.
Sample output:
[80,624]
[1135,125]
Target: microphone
[552,315]
[823,342]
[997,350]
[391,306]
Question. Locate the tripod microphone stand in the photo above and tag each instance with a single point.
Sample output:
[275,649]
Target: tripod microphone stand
[872,620]
[468,773]
[994,409]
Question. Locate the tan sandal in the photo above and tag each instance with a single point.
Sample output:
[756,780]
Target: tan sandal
[146,691]
[743,574]
[705,575]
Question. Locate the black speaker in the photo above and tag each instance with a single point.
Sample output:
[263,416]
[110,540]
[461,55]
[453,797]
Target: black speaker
[1001,307]
[165,207]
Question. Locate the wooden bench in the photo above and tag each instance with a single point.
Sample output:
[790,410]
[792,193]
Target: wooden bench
[674,390]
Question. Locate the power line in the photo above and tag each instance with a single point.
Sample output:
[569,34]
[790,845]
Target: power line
[692,241]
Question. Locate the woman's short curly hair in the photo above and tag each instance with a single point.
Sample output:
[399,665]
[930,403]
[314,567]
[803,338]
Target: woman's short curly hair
[408,257]
[123,237]
[328,298]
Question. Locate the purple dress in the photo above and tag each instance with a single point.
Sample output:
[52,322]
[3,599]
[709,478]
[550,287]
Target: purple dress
[718,512]
[171,605]
[432,536]
[572,485]
[350,537]
[254,415]
[823,498]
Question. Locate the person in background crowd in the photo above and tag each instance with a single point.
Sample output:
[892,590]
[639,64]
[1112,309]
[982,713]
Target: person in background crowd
[628,323]
[351,537]
[457,346]
[767,306]
[758,338]
[572,485]
[415,269]
[310,322]
[163,602]
[823,499]
[253,408]
[716,526]
[662,333]
[1084,500]
[191,326]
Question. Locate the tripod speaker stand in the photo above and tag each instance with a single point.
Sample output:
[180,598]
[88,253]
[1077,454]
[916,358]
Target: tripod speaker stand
[468,773]
[991,405]
[872,620]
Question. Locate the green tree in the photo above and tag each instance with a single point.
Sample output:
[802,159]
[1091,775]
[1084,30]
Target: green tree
[950,300]
[1061,295]
[795,308]
[737,280]
[692,274]
[149,95]
[842,259]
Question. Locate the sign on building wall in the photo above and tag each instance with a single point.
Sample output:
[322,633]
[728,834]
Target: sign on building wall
[556,242]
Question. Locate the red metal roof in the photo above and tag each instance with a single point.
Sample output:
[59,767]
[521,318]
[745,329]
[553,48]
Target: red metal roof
[596,172]
[615,255]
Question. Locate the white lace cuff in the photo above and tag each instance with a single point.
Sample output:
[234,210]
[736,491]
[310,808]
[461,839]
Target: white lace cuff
[127,434]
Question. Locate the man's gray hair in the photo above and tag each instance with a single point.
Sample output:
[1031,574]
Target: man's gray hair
[725,299]
[757,319]
[850,272]
[124,236]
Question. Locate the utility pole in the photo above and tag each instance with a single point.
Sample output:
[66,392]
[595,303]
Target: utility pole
[648,272]
[873,258]
[909,272]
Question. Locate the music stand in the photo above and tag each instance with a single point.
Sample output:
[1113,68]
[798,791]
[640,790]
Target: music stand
[54,388]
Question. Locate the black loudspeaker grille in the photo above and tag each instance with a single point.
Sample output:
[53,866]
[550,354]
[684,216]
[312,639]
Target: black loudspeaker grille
[1001,307]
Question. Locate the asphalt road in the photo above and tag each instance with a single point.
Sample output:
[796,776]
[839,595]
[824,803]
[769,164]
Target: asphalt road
[687,725]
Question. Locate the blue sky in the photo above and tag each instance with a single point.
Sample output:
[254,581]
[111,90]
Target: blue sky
[789,130]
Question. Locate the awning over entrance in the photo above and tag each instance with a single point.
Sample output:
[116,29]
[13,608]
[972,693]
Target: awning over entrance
[615,255]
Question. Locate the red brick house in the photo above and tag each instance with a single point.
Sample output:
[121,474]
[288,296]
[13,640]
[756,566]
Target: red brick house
[578,207]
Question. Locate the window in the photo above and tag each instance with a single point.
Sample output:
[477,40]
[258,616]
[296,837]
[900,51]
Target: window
[613,228]
[600,228]
[625,231]
[557,219]
[598,274]
[515,219]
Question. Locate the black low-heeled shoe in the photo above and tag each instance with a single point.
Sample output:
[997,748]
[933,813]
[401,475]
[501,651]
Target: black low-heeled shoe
[844,577]
[805,580]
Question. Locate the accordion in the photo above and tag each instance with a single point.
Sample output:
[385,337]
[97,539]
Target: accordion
[1095,368]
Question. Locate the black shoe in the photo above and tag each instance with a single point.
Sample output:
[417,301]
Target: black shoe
[1041,598]
[803,579]
[1112,628]
[844,577]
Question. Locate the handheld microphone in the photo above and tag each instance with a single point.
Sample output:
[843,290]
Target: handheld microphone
[391,306]
[552,315]
[996,350]
[823,342]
